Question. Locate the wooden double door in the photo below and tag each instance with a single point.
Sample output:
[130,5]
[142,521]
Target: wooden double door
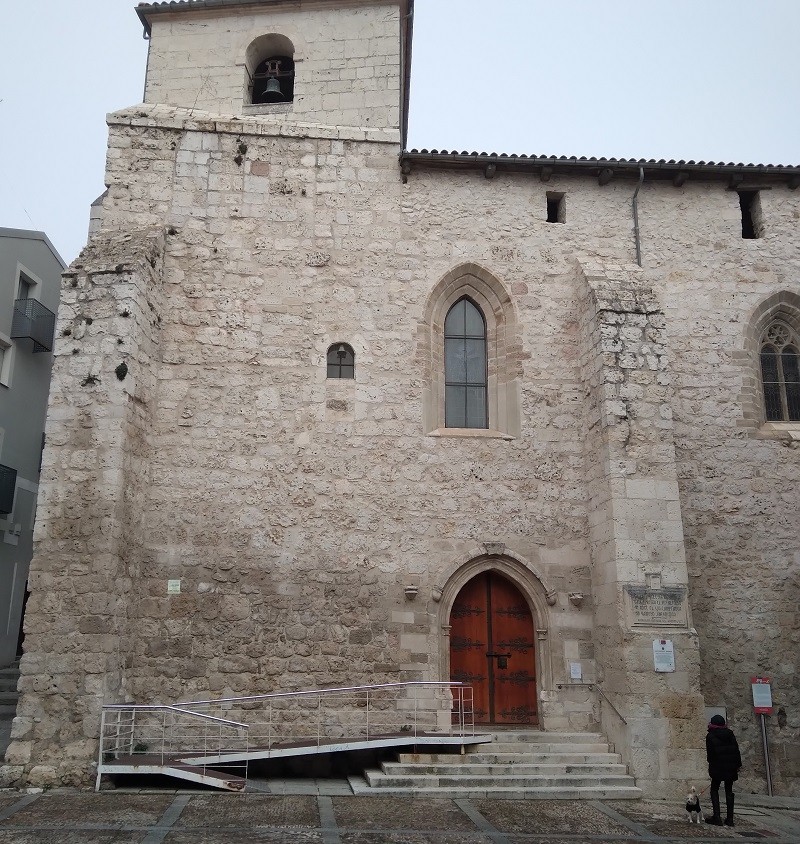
[492,649]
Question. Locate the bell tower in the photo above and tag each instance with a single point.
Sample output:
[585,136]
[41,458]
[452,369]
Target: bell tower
[328,63]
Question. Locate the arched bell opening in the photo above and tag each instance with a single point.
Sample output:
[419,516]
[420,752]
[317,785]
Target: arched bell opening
[270,69]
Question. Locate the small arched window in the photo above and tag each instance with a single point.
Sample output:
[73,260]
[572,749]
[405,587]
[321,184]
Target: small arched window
[465,399]
[273,81]
[780,373]
[341,361]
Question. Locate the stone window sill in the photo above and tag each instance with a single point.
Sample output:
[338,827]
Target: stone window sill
[481,433]
[779,431]
[267,108]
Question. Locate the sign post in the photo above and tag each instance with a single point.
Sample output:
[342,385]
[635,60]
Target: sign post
[762,705]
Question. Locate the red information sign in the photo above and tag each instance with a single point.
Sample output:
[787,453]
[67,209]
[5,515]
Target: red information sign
[762,695]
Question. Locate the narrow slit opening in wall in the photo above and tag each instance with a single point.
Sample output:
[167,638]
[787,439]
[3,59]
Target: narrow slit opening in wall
[556,208]
[750,204]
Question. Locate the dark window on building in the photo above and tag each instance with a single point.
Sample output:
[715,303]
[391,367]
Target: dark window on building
[780,373]
[8,485]
[556,208]
[750,204]
[24,287]
[273,81]
[465,373]
[341,361]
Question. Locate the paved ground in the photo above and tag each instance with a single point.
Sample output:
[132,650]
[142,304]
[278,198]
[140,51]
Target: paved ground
[65,816]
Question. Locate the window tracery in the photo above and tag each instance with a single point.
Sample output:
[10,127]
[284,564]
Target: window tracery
[780,373]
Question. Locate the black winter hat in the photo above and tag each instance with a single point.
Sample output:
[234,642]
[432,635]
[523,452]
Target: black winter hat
[718,721]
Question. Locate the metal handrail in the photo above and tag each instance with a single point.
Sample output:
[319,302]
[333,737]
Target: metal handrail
[139,707]
[610,703]
[306,692]
[271,723]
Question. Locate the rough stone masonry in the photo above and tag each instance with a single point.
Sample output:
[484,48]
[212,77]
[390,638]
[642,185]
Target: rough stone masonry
[193,434]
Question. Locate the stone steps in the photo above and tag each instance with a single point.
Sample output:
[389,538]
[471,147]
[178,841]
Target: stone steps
[476,792]
[9,677]
[514,747]
[481,758]
[379,779]
[542,737]
[499,769]
[517,764]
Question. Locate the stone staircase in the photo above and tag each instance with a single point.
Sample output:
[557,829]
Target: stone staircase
[8,691]
[526,764]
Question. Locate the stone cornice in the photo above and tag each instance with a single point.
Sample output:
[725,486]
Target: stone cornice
[192,120]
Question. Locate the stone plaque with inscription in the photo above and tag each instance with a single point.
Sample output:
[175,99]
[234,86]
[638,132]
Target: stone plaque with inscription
[665,607]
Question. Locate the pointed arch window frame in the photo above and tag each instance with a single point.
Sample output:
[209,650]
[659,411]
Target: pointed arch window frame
[503,353]
[781,306]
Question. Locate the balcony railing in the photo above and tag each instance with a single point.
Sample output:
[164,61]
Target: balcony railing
[8,483]
[32,320]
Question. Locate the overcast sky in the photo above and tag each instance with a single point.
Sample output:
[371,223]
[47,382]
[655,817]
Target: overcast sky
[695,79]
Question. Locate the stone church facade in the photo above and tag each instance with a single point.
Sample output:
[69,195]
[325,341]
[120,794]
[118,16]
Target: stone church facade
[345,393]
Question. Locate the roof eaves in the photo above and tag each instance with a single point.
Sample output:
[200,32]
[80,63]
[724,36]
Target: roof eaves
[592,166]
[146,10]
[29,234]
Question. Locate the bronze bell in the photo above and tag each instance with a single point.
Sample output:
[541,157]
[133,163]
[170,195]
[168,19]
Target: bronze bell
[272,93]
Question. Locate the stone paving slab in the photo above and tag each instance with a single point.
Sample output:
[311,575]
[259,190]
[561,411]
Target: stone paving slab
[249,811]
[407,837]
[251,836]
[182,817]
[665,820]
[556,817]
[7,800]
[70,808]
[69,837]
[365,813]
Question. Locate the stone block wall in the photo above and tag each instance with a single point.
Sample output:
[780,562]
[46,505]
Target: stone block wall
[347,62]
[295,509]
[636,532]
[95,472]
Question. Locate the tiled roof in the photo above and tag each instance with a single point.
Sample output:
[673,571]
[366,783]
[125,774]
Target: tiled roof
[638,162]
[654,168]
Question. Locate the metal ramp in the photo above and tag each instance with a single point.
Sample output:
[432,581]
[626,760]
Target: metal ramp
[213,742]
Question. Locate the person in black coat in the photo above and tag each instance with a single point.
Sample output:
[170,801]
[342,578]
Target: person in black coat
[724,761]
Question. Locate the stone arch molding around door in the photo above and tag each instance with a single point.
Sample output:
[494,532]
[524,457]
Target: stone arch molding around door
[523,574]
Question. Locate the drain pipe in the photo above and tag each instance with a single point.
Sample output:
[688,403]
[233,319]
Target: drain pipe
[636,218]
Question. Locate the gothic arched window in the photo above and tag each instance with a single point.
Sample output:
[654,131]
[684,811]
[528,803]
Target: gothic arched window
[341,361]
[780,373]
[465,399]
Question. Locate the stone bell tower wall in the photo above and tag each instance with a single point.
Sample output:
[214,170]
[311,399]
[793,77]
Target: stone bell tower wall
[347,60]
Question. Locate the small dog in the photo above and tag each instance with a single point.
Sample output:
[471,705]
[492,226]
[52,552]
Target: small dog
[693,806]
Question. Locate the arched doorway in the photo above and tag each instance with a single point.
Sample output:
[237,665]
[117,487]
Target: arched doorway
[492,649]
